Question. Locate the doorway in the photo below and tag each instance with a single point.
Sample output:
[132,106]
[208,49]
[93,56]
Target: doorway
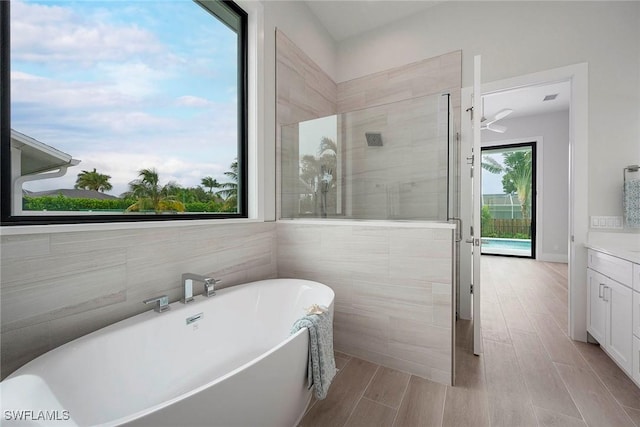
[578,223]
[508,216]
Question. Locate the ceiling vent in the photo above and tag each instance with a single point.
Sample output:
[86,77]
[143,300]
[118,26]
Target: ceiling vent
[550,97]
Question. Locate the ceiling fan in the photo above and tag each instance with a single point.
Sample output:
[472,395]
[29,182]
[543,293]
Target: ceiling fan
[489,124]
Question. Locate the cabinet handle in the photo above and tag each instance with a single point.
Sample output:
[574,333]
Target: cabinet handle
[604,294]
[600,290]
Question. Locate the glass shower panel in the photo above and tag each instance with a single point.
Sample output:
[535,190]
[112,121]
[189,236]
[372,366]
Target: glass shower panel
[389,162]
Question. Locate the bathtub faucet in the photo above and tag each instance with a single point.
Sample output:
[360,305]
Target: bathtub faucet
[187,281]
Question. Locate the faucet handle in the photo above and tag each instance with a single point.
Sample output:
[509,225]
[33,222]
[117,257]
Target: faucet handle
[210,286]
[162,303]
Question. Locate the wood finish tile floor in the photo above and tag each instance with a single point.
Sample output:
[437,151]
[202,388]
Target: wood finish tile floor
[530,374]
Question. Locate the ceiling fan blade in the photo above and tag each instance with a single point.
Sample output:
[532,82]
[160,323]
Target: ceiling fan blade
[502,114]
[496,128]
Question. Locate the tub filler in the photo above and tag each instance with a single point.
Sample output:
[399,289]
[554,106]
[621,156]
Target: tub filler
[227,360]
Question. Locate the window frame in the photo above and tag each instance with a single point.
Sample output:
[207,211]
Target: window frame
[6,184]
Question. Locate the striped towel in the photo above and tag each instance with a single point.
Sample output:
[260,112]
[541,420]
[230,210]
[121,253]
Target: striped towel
[632,203]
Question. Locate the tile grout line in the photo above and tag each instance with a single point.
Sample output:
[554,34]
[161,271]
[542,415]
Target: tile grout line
[599,378]
[569,390]
[316,401]
[517,360]
[624,408]
[444,404]
[535,326]
[484,366]
[404,395]
[364,390]
[378,403]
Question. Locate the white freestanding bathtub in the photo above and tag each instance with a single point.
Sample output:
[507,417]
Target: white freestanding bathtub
[235,366]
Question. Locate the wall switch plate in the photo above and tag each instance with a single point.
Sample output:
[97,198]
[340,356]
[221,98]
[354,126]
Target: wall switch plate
[611,222]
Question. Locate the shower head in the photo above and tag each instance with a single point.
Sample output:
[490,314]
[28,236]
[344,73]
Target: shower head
[374,139]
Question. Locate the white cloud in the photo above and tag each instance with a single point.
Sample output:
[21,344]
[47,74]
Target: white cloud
[61,34]
[193,101]
[32,89]
[109,95]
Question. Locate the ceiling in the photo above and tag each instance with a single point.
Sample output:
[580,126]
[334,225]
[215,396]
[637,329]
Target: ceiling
[528,101]
[344,19]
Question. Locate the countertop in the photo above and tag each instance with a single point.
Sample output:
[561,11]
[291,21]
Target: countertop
[621,245]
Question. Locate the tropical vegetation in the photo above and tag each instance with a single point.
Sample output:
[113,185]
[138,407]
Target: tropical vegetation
[517,176]
[93,180]
[150,195]
[146,194]
[318,172]
[516,171]
[229,190]
[210,183]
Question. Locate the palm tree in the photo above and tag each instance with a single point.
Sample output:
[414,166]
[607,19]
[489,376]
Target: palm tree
[319,173]
[151,195]
[93,180]
[517,171]
[517,179]
[230,189]
[491,165]
[210,183]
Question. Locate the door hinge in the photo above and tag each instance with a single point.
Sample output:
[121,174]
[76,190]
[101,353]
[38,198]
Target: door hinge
[471,289]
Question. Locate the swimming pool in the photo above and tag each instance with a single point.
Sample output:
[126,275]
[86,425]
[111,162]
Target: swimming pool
[497,246]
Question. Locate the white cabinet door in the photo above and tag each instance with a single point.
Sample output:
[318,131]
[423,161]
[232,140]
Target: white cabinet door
[619,334]
[596,309]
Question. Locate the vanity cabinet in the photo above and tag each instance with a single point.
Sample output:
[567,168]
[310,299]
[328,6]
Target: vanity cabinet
[597,306]
[610,310]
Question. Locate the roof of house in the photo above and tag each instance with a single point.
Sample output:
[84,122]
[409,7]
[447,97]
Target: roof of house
[72,193]
[37,157]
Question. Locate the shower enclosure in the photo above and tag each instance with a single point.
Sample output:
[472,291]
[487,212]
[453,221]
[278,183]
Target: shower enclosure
[396,161]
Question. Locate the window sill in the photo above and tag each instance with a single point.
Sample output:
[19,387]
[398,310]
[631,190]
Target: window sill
[17,230]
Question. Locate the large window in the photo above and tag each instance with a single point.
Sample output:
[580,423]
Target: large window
[123,110]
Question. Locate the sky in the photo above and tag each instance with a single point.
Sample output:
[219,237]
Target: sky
[311,133]
[123,86]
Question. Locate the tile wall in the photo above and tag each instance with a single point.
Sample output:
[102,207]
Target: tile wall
[406,177]
[59,286]
[304,92]
[393,303]
[393,284]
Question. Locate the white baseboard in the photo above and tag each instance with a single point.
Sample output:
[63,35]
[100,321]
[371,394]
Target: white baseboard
[564,258]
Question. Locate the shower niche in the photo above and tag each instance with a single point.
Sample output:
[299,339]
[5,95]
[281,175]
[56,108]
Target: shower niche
[389,162]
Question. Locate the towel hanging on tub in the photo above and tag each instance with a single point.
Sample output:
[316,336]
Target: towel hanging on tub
[632,202]
[321,364]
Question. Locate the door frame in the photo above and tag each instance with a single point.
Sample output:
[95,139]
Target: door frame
[578,75]
[536,180]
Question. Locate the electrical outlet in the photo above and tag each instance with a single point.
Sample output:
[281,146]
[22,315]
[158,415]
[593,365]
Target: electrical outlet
[610,222]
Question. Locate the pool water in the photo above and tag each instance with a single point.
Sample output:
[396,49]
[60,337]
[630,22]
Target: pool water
[493,245]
